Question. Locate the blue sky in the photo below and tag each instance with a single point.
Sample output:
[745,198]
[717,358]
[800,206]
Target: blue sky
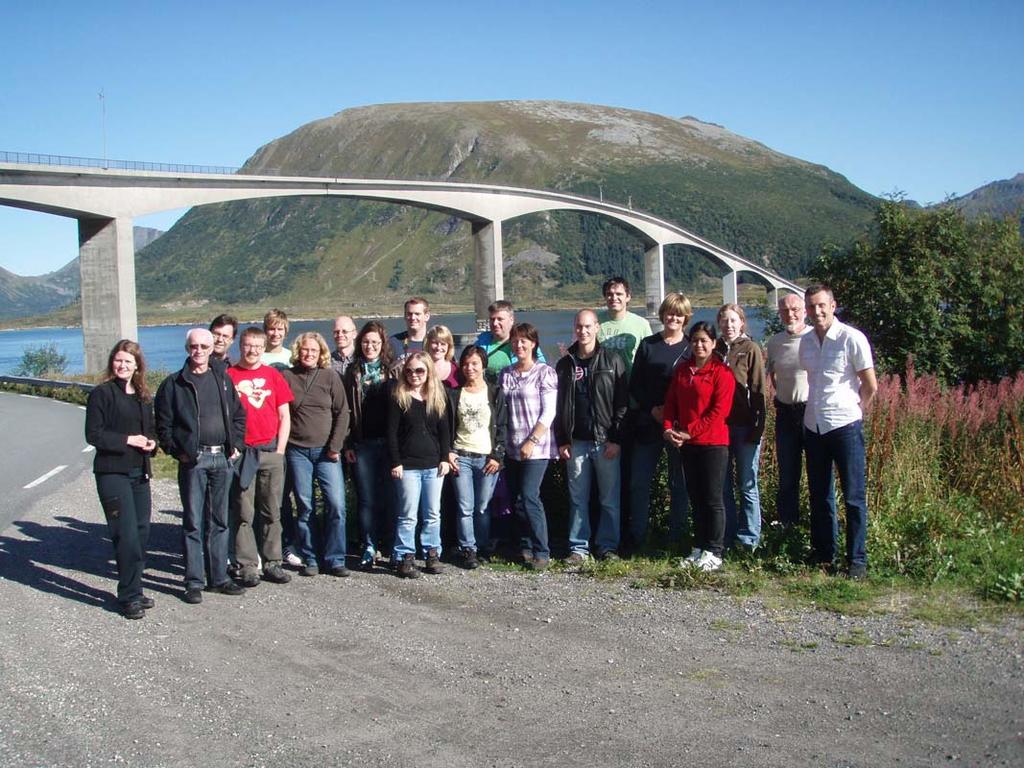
[923,97]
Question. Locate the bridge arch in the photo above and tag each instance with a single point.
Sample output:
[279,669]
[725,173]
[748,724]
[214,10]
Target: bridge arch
[105,202]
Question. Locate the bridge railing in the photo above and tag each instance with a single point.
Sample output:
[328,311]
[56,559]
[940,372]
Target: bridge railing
[32,158]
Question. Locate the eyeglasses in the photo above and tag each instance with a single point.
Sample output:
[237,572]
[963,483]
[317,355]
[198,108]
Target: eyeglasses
[200,346]
[346,331]
[416,371]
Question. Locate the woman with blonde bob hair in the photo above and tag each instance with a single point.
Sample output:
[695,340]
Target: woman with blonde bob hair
[441,345]
[320,420]
[419,440]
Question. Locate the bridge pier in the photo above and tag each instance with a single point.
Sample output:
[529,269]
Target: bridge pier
[654,279]
[730,291]
[106,252]
[488,267]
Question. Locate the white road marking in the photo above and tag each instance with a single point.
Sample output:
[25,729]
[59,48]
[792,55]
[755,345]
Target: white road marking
[88,448]
[45,477]
[33,397]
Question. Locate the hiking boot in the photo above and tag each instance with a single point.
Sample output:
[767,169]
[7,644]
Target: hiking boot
[407,567]
[133,610]
[611,556]
[310,570]
[250,579]
[339,570]
[229,587]
[577,558]
[526,556]
[857,572]
[469,561]
[193,596]
[539,564]
[147,602]
[709,562]
[433,564]
[275,574]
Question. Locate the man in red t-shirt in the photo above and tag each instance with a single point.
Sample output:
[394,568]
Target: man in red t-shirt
[256,491]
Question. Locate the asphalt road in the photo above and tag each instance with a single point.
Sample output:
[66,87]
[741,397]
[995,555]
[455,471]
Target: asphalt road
[41,436]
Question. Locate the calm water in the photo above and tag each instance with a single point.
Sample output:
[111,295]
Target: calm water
[164,345]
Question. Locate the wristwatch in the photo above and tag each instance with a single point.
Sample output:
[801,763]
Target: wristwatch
[534,439]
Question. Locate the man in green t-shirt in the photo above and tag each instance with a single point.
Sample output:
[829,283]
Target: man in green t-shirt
[621,330]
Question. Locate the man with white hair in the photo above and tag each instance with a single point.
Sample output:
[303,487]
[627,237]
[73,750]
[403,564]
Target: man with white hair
[201,423]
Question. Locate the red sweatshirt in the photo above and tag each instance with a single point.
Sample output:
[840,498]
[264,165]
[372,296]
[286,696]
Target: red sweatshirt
[698,401]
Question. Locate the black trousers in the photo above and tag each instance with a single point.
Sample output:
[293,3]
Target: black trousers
[704,467]
[127,505]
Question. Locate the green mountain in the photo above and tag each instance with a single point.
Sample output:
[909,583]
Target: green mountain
[316,253]
[998,200]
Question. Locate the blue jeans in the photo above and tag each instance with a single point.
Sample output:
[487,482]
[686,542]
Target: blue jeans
[524,481]
[587,463]
[742,522]
[844,448]
[307,464]
[372,472]
[204,490]
[474,489]
[644,465]
[419,497]
[790,449]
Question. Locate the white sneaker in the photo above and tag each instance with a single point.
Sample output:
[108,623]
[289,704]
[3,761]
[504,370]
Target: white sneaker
[691,559]
[292,559]
[709,562]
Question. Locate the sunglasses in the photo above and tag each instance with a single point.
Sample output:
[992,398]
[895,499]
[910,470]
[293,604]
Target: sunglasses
[416,371]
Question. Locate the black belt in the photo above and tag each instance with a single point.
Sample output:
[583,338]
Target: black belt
[789,406]
[470,454]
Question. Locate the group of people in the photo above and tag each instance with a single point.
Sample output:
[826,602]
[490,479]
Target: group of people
[255,437]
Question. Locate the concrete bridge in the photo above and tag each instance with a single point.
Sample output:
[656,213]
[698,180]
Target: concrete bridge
[106,200]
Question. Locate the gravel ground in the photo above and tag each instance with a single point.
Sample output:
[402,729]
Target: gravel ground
[481,668]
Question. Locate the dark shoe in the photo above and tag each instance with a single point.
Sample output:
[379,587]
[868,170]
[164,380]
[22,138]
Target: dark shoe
[407,568]
[339,570]
[526,556]
[275,574]
[433,564]
[576,558]
[193,596]
[469,561]
[250,580]
[133,610]
[310,570]
[147,602]
[611,556]
[857,572]
[229,587]
[539,564]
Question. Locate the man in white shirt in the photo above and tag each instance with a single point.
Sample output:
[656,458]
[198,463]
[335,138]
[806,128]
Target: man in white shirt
[789,381]
[840,383]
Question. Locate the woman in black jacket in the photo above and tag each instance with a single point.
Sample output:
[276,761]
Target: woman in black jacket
[119,424]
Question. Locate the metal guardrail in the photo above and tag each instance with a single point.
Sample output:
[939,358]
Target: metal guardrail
[51,383]
[31,158]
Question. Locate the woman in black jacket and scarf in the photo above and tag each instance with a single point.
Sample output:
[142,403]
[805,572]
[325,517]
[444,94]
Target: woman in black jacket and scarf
[119,424]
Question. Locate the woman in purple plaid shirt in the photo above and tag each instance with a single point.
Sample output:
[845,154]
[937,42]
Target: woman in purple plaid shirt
[531,389]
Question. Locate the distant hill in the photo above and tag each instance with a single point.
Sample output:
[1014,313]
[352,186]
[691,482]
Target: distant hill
[998,199]
[317,254]
[22,296]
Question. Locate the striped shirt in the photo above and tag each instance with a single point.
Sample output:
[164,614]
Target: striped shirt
[531,397]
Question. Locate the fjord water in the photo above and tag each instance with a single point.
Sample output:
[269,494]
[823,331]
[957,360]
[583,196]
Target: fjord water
[164,345]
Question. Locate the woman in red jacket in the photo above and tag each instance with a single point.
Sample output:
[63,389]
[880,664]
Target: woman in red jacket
[696,406]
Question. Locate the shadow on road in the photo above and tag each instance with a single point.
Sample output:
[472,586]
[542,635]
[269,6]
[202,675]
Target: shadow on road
[44,554]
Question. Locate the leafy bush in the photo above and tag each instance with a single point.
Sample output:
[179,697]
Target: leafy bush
[44,361]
